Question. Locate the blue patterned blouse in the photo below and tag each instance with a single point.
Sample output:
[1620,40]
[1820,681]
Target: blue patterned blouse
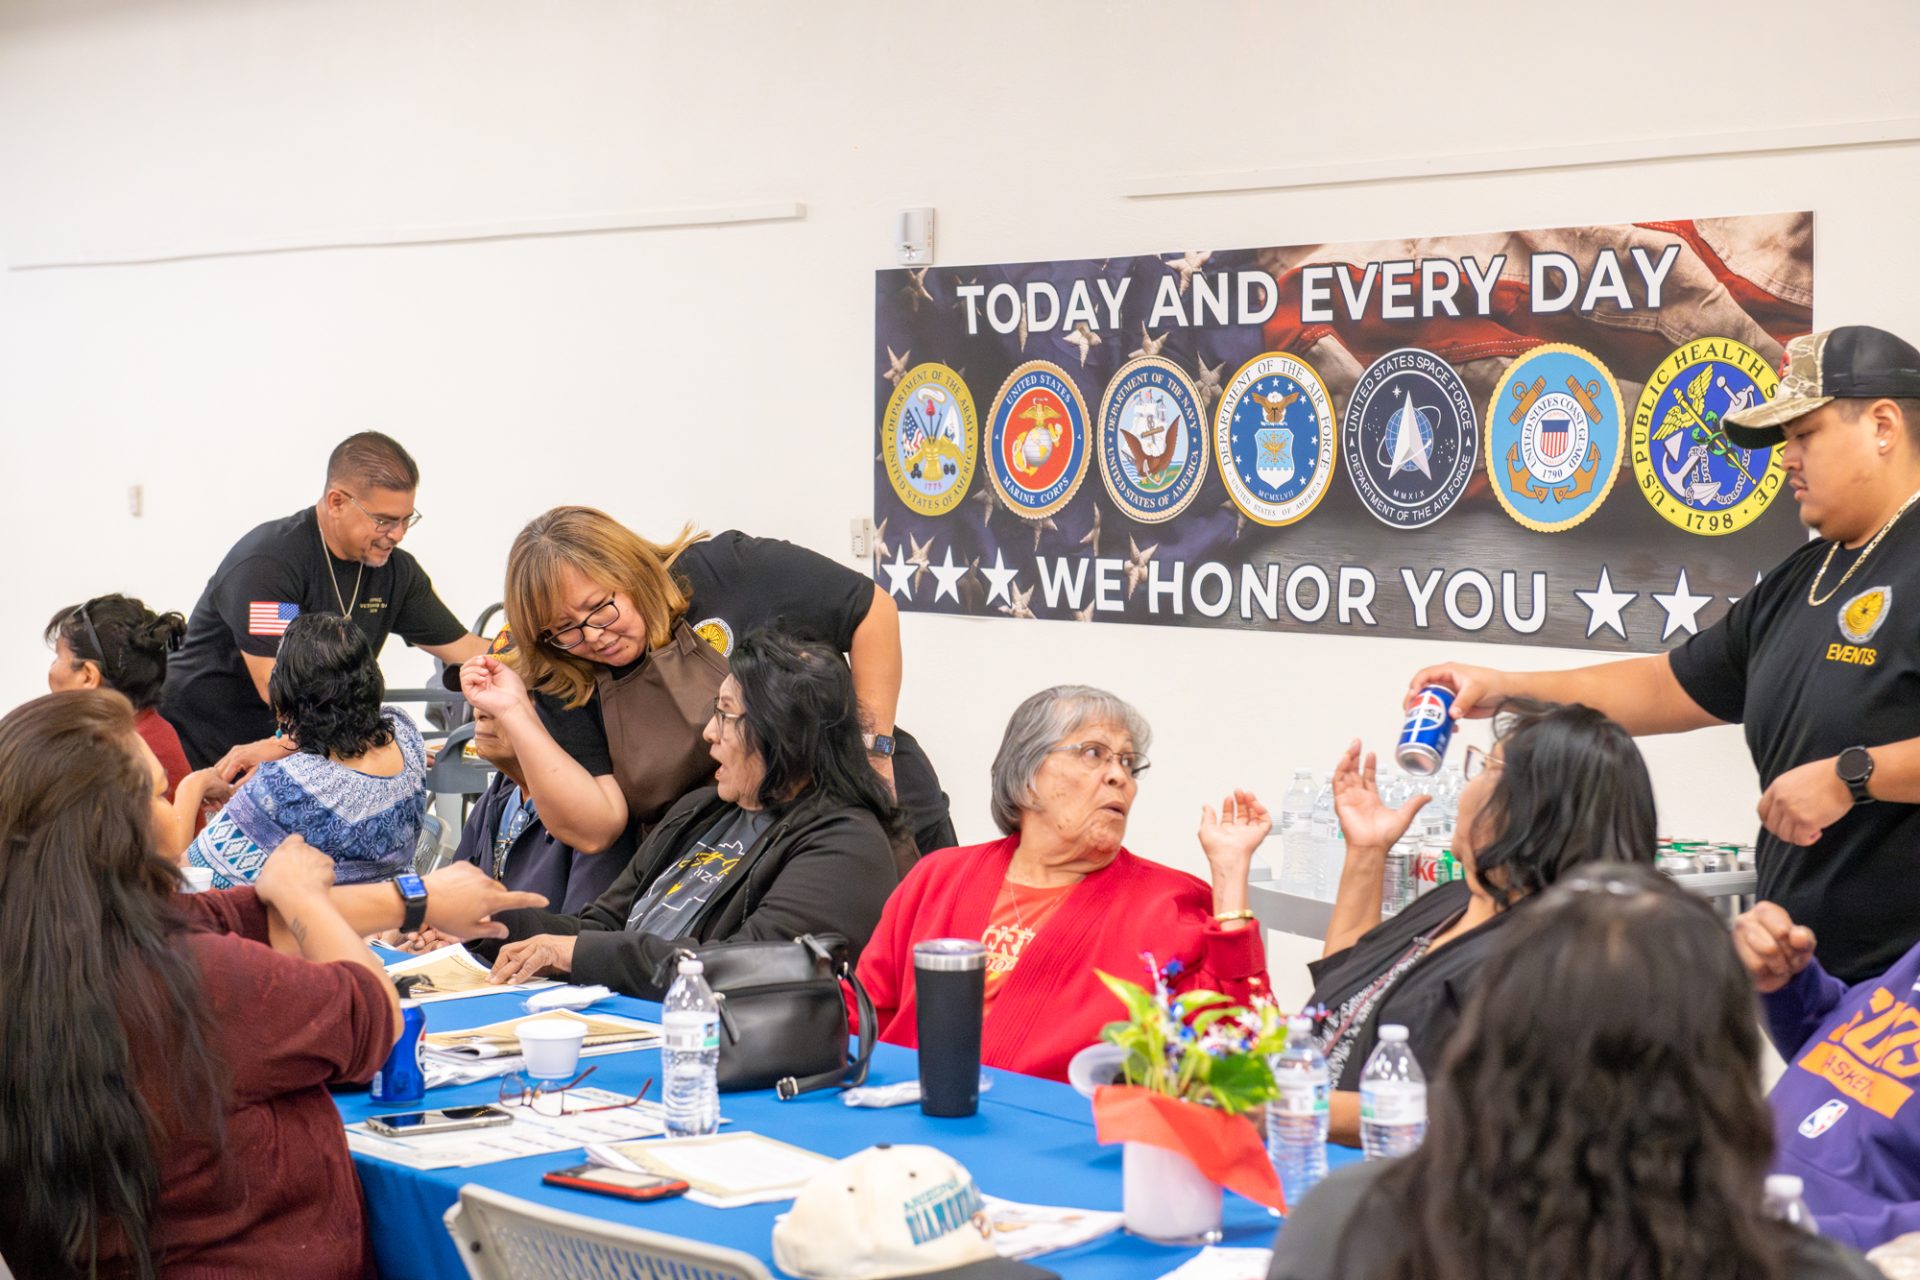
[369,825]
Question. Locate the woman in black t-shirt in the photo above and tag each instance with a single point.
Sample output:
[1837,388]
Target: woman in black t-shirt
[1562,787]
[621,647]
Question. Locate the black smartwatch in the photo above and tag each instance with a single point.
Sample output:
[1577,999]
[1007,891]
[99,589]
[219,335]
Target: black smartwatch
[879,744]
[413,892]
[1855,767]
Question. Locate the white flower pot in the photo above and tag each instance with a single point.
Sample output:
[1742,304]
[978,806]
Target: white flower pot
[1166,1199]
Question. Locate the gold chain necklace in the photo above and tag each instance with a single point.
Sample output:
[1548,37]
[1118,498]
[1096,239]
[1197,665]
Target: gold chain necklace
[1865,552]
[346,610]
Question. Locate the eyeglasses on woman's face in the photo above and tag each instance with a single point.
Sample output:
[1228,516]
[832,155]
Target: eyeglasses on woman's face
[1478,762]
[1094,755]
[604,615]
[725,717]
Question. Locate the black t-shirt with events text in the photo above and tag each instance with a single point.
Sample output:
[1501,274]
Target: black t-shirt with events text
[1807,682]
[278,570]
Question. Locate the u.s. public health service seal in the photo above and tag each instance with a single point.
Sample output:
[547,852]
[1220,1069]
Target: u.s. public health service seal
[1153,447]
[1554,432]
[1273,430]
[929,439]
[1037,443]
[1410,439]
[1687,469]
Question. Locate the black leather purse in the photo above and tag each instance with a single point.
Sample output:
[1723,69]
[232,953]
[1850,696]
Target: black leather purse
[783,1018]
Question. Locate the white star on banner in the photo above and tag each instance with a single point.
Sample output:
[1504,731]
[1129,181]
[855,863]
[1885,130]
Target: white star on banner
[1733,600]
[946,577]
[1604,605]
[1682,606]
[900,573]
[999,578]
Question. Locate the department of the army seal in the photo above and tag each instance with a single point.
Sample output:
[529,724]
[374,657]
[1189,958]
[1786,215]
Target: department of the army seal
[930,439]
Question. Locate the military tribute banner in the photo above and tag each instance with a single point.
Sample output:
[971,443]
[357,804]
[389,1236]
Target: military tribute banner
[1507,437]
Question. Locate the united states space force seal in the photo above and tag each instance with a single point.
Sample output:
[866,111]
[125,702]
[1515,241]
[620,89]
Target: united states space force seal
[1410,440]
[1037,444]
[1686,467]
[1274,432]
[1153,446]
[1555,429]
[929,439]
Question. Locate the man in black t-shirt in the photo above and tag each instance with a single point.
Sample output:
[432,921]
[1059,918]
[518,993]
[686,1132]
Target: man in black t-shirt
[1820,661]
[341,556]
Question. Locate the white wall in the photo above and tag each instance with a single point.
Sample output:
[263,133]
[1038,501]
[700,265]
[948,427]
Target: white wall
[661,373]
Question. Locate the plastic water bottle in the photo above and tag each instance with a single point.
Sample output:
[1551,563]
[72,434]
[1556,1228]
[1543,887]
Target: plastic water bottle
[690,1053]
[1329,845]
[1393,1098]
[1784,1202]
[1297,1119]
[1297,869]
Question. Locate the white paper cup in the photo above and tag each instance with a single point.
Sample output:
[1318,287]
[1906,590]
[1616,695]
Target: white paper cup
[552,1047]
[199,879]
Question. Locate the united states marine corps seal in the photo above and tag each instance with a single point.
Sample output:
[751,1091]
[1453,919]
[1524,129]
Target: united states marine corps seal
[1686,467]
[1153,448]
[930,439]
[1274,432]
[1410,440]
[1037,443]
[1555,429]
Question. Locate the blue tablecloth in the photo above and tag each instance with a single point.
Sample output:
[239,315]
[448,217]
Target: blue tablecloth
[1032,1140]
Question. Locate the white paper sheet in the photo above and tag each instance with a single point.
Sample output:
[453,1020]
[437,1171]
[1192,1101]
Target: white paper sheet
[456,975]
[1217,1263]
[1028,1230]
[725,1169]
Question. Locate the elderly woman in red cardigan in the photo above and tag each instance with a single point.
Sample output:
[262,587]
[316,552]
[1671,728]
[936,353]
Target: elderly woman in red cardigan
[1059,897]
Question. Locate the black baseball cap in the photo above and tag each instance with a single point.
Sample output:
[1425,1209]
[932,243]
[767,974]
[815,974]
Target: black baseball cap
[1853,362]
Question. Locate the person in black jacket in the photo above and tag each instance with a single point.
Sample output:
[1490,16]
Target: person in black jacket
[1563,786]
[798,834]
[1599,1114]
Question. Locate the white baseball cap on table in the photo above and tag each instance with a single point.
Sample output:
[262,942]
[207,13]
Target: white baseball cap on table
[893,1211]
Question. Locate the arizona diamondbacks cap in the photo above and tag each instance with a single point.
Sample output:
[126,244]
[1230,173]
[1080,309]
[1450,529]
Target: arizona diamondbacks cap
[1854,362]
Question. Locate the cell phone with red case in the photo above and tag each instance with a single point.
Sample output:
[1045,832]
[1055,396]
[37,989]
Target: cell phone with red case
[616,1182]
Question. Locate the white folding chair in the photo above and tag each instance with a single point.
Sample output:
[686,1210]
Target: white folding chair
[502,1237]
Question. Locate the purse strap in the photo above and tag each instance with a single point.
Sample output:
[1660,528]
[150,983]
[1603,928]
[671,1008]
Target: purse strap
[855,1072]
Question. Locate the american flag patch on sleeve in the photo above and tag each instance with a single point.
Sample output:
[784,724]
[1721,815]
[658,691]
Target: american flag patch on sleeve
[270,617]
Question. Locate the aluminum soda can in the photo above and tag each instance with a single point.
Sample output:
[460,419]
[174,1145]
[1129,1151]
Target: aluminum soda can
[1426,868]
[401,1078]
[1429,727]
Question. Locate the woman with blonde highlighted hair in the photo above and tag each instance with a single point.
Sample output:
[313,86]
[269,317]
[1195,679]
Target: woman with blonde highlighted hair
[620,646]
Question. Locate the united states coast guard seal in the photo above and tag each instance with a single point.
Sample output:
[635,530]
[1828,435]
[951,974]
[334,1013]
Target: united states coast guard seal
[1037,443]
[1686,467]
[1274,430]
[1153,448]
[1554,432]
[929,439]
[1410,439]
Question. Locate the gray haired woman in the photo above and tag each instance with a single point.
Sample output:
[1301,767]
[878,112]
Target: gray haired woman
[1059,896]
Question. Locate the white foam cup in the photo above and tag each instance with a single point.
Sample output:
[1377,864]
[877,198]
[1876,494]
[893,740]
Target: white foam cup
[552,1047]
[198,879]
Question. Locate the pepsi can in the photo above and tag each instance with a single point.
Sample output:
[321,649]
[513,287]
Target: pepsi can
[1429,727]
[400,1079]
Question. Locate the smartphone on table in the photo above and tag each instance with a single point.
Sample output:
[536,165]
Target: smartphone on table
[407,1124]
[616,1182]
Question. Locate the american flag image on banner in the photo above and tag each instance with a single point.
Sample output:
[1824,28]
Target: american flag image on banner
[270,617]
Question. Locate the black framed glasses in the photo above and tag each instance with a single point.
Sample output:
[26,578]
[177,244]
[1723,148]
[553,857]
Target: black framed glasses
[384,524]
[1096,754]
[603,616]
[724,717]
[93,637]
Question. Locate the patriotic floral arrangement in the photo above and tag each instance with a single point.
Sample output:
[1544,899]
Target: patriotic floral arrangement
[1197,1046]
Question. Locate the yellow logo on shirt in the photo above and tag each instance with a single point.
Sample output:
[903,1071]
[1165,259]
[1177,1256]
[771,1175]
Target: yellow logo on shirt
[1861,616]
[717,633]
[1869,1055]
[1853,654]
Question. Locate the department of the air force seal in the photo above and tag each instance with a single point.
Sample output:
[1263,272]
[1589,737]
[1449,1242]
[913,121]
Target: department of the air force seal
[1686,467]
[1274,432]
[929,439]
[1037,442]
[1153,446]
[1410,439]
[1555,427]
[717,633]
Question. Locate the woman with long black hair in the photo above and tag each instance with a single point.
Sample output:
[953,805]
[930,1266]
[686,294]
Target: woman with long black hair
[798,834]
[163,1102]
[1598,1117]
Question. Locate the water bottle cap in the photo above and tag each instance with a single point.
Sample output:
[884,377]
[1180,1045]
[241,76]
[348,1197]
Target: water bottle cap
[1394,1033]
[692,966]
[1785,1185]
